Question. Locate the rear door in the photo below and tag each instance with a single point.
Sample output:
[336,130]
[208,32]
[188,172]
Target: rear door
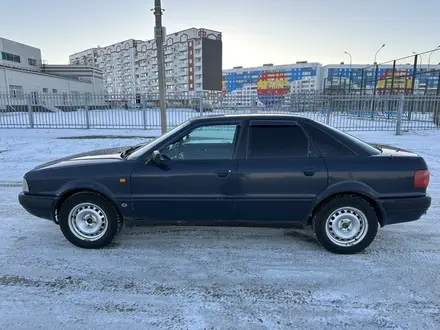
[280,175]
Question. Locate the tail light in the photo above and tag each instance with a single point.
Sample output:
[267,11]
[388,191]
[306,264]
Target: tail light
[421,179]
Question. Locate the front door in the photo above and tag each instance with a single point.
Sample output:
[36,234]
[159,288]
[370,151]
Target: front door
[196,181]
[280,175]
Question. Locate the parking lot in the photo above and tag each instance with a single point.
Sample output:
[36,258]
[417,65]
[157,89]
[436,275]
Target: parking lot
[210,278]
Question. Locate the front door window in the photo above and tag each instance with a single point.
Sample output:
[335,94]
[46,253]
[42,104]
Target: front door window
[214,142]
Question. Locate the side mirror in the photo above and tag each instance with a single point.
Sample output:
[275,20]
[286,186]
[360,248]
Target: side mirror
[157,157]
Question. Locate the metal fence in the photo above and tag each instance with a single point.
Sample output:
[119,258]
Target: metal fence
[347,112]
[418,74]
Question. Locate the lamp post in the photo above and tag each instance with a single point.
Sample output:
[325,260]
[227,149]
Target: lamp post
[429,58]
[377,69]
[375,77]
[351,61]
[375,55]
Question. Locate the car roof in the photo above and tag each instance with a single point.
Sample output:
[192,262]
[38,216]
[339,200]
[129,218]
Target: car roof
[250,116]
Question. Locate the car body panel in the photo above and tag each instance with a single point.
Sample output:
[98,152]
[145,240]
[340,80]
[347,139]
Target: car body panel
[281,189]
[184,191]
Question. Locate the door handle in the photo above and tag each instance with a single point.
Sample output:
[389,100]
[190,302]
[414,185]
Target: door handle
[223,174]
[309,171]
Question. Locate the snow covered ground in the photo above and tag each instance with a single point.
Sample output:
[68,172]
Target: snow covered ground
[209,278]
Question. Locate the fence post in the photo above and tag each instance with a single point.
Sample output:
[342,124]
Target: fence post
[330,105]
[86,112]
[399,115]
[30,111]
[201,104]
[144,117]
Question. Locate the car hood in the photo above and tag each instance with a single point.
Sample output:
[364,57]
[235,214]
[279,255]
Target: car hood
[104,154]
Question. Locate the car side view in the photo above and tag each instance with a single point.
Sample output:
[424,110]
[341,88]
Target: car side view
[235,170]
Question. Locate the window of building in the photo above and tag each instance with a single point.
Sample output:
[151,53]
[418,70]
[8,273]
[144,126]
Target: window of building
[16,91]
[55,91]
[277,141]
[10,57]
[32,62]
[45,90]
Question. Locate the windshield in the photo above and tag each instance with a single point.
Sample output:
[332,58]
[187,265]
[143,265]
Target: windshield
[364,145]
[156,141]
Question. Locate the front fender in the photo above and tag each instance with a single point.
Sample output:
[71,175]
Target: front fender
[346,187]
[91,185]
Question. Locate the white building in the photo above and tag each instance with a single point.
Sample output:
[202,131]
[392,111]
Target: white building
[22,71]
[23,78]
[193,62]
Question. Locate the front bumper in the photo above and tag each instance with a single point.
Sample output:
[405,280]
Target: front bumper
[39,206]
[398,210]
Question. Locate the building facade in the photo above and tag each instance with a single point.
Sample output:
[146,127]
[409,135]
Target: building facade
[273,84]
[193,63]
[22,71]
[344,78]
[19,56]
[24,80]
[269,84]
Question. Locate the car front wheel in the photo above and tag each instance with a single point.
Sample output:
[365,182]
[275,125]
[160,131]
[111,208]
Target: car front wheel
[346,224]
[88,220]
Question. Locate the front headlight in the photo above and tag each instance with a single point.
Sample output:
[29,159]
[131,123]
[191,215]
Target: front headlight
[25,186]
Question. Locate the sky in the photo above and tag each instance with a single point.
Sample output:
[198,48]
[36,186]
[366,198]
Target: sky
[253,31]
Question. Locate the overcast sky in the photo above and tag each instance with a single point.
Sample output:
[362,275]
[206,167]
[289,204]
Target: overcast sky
[254,31]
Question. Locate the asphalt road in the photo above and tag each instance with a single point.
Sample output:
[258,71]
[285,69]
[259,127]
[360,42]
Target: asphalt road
[215,278]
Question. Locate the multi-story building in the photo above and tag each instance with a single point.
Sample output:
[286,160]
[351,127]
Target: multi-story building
[193,63]
[345,78]
[269,84]
[272,84]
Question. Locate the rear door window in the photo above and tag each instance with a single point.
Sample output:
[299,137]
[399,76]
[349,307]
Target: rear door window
[277,141]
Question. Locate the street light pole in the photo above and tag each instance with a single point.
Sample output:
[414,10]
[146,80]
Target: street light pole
[375,55]
[158,33]
[429,59]
[375,77]
[351,61]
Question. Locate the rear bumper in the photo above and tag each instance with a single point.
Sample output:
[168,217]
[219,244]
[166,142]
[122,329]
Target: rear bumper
[39,206]
[398,210]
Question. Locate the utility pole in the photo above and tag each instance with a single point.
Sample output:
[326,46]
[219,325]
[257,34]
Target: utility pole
[159,36]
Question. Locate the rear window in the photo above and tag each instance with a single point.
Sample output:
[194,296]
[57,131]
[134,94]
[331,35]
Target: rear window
[327,145]
[277,141]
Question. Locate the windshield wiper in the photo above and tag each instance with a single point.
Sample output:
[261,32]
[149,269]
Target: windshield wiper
[130,150]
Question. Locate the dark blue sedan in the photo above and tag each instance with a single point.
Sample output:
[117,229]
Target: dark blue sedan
[239,170]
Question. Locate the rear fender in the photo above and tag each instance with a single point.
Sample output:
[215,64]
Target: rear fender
[346,187]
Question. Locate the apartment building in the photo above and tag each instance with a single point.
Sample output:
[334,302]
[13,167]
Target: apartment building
[268,84]
[344,77]
[193,63]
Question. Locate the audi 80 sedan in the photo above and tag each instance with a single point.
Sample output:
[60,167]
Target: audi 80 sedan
[235,170]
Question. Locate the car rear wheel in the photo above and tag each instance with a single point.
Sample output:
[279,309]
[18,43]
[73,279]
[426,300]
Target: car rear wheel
[346,224]
[89,220]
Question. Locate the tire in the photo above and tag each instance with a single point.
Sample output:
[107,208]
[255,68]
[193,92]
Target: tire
[96,223]
[346,224]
